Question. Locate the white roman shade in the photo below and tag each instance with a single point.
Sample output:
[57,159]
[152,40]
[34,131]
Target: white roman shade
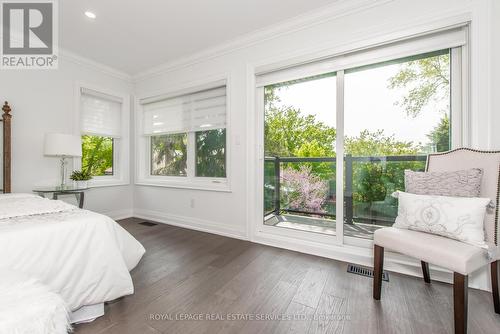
[389,51]
[199,111]
[100,114]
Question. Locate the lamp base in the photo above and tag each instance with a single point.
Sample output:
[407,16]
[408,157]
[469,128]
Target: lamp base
[63,172]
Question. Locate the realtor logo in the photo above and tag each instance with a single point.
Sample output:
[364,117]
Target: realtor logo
[29,34]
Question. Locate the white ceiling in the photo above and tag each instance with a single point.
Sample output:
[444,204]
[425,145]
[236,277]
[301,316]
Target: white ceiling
[135,35]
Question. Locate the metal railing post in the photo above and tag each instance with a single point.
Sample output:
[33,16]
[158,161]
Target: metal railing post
[277,180]
[349,205]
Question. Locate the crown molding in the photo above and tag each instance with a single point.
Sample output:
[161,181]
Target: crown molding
[94,65]
[324,14]
[67,55]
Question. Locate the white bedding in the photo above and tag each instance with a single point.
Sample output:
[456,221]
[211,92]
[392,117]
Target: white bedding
[18,206]
[84,256]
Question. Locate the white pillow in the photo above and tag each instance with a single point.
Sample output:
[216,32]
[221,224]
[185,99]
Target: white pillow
[460,218]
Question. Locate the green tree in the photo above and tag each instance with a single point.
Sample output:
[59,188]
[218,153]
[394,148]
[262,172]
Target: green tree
[378,144]
[374,181]
[440,135]
[287,131]
[97,155]
[210,153]
[427,81]
[169,154]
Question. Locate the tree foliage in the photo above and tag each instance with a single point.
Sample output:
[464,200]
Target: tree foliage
[303,189]
[426,80]
[376,143]
[211,153]
[440,135]
[289,133]
[169,154]
[97,155]
[374,181]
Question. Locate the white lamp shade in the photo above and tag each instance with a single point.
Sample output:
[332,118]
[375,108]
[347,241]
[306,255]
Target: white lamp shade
[58,144]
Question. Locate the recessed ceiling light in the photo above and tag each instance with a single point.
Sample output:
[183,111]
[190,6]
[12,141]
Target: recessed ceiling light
[90,15]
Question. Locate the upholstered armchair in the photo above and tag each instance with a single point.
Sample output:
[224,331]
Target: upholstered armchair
[460,258]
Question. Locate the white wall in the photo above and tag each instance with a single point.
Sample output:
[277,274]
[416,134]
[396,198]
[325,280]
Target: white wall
[44,101]
[227,213]
[495,42]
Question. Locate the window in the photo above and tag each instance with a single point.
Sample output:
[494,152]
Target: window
[299,142]
[103,125]
[97,155]
[185,136]
[211,153]
[384,108]
[395,113]
[169,155]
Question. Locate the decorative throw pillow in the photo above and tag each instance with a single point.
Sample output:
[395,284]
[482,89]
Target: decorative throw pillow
[461,183]
[457,218]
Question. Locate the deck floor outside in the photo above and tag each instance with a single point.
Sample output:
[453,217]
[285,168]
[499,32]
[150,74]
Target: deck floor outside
[320,225]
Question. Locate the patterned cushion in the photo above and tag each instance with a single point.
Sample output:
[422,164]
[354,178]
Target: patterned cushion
[457,218]
[462,183]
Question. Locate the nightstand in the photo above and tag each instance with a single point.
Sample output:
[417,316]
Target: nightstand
[58,190]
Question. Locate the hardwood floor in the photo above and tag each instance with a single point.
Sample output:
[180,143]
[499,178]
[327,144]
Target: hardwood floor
[193,274]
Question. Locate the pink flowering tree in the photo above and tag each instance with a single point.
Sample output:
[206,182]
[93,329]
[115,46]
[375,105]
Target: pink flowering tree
[302,190]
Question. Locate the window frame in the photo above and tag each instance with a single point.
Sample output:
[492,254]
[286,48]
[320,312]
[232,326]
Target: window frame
[121,145]
[143,143]
[309,65]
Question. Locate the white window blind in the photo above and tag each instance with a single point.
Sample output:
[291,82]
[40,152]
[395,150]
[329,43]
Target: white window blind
[100,114]
[204,110]
[406,47]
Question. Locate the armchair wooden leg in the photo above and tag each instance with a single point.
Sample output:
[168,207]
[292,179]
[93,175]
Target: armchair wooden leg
[425,271]
[460,293]
[495,267]
[378,267]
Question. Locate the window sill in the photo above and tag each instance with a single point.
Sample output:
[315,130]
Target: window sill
[204,186]
[100,183]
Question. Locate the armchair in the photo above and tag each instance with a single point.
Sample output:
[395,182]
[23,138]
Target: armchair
[461,258]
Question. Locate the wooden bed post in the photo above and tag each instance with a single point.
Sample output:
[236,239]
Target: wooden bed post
[6,147]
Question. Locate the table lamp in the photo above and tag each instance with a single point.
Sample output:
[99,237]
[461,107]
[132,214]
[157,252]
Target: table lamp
[63,146]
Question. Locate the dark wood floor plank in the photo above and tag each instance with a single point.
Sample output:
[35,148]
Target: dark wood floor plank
[330,316]
[301,318]
[189,272]
[312,286]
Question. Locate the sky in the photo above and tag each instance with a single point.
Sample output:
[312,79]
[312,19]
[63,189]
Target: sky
[369,104]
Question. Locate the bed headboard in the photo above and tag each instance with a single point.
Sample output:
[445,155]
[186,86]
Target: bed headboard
[6,123]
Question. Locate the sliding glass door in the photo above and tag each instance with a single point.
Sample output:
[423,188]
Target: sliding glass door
[299,163]
[394,114]
[339,134]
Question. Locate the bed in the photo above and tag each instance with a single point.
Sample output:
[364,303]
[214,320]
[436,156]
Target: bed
[82,255]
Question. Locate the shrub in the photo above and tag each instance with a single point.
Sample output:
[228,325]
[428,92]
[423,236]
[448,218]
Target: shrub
[302,190]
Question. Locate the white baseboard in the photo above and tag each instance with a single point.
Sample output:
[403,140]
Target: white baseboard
[192,223]
[119,214]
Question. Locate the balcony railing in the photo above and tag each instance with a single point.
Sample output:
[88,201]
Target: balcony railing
[361,183]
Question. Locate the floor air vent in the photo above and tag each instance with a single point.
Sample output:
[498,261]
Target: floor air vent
[368,272]
[148,224]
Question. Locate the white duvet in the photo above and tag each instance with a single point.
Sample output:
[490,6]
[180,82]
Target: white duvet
[84,256]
